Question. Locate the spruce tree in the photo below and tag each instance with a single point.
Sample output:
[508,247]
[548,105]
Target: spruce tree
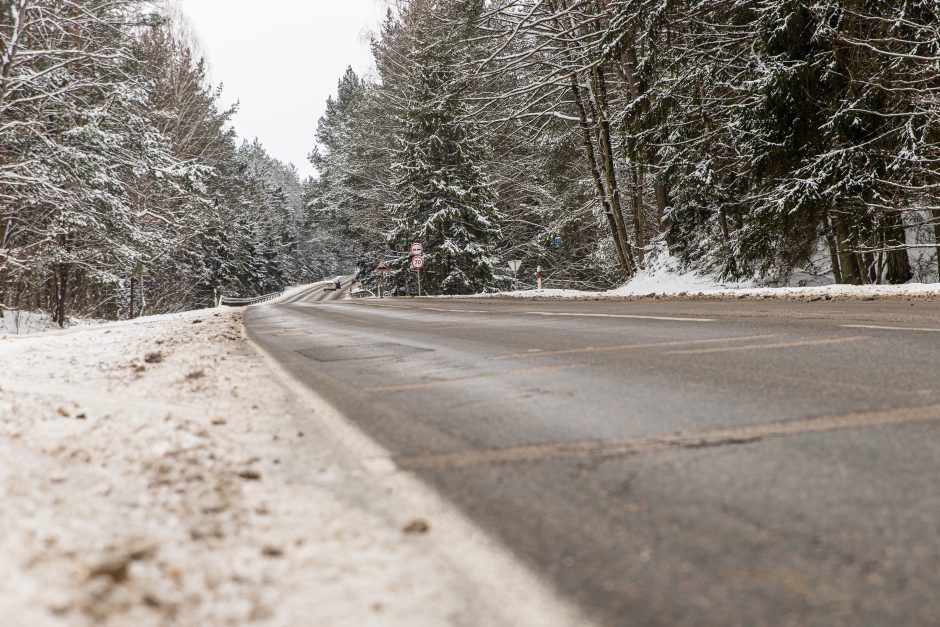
[445,199]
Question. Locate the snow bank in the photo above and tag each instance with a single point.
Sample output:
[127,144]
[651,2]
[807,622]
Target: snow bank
[664,277]
[17,322]
[154,472]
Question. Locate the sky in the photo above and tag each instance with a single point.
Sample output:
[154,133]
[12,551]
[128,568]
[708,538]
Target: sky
[281,59]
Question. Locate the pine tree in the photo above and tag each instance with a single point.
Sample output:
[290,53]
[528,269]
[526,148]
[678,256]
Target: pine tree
[445,199]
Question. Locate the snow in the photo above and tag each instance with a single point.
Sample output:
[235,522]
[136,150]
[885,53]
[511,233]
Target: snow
[15,322]
[155,472]
[664,277]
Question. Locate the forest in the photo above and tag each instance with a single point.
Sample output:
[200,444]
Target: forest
[748,139]
[123,186]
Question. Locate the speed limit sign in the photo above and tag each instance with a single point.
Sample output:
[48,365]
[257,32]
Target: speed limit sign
[417,249]
[417,263]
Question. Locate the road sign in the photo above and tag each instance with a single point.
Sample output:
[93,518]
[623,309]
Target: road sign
[558,240]
[382,267]
[515,264]
[417,263]
[417,249]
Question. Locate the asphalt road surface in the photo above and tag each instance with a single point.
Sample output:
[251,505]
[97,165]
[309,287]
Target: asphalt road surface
[661,463]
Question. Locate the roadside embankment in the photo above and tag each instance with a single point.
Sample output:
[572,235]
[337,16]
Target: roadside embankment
[156,473]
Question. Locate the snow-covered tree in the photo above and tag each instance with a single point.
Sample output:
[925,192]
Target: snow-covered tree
[444,197]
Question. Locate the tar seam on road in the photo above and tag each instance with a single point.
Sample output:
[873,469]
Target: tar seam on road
[691,440]
[502,582]
[881,328]
[752,347]
[521,372]
[626,347]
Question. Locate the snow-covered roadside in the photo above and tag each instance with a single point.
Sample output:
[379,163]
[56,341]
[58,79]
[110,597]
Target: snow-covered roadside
[155,473]
[819,292]
[664,279]
[19,322]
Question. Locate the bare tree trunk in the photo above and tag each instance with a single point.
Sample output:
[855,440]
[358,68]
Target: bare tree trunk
[595,173]
[936,236]
[599,93]
[848,261]
[627,67]
[131,313]
[4,274]
[895,240]
[833,251]
[639,219]
[62,294]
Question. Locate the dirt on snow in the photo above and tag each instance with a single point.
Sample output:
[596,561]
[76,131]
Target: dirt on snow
[155,473]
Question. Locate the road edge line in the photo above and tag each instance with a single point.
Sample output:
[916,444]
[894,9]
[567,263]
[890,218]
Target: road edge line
[516,595]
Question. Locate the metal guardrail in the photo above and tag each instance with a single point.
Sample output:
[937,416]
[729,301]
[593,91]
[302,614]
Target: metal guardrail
[243,302]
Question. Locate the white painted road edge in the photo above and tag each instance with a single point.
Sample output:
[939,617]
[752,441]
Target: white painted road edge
[511,590]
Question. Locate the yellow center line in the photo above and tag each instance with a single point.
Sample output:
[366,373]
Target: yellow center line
[754,347]
[626,347]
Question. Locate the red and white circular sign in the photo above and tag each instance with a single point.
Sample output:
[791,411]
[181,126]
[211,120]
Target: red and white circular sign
[417,263]
[417,249]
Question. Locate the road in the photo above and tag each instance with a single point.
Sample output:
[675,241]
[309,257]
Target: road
[659,462]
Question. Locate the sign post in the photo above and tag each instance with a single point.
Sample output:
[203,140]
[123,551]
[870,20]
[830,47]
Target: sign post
[514,265]
[139,274]
[417,261]
[538,274]
[382,269]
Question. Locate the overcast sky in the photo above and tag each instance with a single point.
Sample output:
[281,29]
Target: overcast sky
[281,59]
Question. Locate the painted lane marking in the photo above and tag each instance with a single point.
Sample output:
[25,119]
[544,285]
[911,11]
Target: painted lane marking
[521,372]
[883,328]
[386,306]
[475,311]
[686,440]
[626,347]
[754,347]
[544,313]
[631,316]
[480,311]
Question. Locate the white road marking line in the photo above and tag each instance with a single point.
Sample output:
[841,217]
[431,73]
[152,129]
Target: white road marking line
[521,372]
[754,347]
[386,306]
[884,328]
[546,313]
[688,440]
[453,310]
[632,316]
[478,311]
[626,347]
